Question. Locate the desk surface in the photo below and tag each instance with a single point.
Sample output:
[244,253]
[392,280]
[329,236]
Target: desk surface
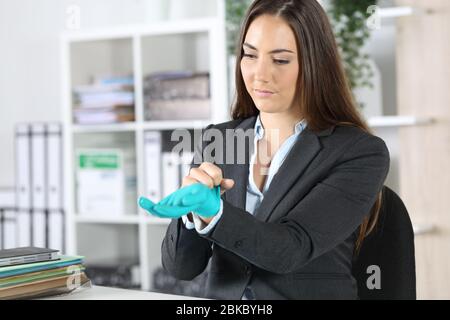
[106,293]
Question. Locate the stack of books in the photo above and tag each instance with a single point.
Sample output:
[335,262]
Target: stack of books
[31,272]
[106,100]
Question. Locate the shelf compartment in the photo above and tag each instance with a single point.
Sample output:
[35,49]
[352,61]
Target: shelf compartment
[125,219]
[107,142]
[174,88]
[102,81]
[401,11]
[108,250]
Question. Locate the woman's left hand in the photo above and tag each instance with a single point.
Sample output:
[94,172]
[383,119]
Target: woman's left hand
[184,200]
[196,197]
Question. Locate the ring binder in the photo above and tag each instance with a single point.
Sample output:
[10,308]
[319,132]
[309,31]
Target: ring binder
[39,176]
[7,227]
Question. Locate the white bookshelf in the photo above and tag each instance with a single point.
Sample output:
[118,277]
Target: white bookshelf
[400,11]
[136,49]
[398,121]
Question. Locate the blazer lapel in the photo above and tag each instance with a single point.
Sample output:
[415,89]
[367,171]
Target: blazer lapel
[300,156]
[237,196]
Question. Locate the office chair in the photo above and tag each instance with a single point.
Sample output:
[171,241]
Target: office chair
[390,246]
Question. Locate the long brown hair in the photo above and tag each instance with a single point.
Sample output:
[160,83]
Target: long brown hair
[325,95]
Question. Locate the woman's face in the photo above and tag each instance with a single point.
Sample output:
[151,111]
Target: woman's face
[270,66]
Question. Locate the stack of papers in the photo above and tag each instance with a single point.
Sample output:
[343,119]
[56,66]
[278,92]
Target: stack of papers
[39,279]
[107,100]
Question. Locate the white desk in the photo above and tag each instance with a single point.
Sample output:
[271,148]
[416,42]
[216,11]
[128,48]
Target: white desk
[105,293]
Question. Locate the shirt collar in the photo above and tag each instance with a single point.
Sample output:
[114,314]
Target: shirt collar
[259,129]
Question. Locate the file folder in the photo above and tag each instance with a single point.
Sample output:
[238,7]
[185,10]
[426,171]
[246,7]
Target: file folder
[100,182]
[153,160]
[54,191]
[8,232]
[8,218]
[38,167]
[23,184]
[186,160]
[171,172]
[38,183]
[39,195]
[54,172]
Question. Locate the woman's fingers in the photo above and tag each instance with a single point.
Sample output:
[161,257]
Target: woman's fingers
[210,175]
[212,171]
[149,206]
[207,173]
[226,184]
[201,176]
[145,203]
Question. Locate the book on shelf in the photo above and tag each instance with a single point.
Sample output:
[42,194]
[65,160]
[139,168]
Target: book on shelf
[179,109]
[112,98]
[96,87]
[106,181]
[182,95]
[164,170]
[104,115]
[106,100]
[114,80]
[100,182]
[181,86]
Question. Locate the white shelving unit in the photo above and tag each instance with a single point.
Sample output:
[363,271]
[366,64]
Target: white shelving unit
[389,127]
[139,49]
[397,121]
[395,12]
[401,11]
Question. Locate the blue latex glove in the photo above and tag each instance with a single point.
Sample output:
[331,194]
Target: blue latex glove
[196,197]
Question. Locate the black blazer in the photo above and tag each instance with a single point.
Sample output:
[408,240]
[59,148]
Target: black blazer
[299,242]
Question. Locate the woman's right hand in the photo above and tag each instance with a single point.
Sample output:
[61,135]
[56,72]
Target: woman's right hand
[210,175]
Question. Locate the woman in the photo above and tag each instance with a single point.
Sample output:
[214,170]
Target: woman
[291,218]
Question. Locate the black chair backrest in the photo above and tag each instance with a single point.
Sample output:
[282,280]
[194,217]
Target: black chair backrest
[389,250]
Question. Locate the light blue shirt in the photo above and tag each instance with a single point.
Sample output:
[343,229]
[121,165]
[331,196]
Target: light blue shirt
[254,195]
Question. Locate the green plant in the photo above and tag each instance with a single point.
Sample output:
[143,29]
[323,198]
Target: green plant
[348,18]
[235,11]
